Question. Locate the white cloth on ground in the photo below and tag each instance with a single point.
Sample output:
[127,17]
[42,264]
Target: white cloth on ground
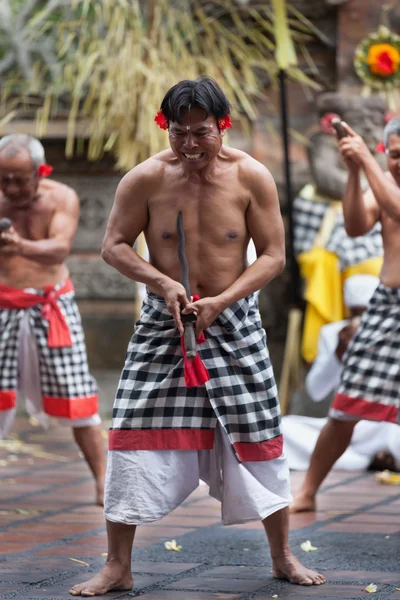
[148,484]
[300,435]
[29,386]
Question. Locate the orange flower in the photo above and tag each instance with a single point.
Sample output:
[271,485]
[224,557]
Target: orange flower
[383,59]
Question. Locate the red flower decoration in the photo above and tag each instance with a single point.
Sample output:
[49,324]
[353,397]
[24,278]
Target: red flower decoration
[44,170]
[380,147]
[224,123]
[326,122]
[161,120]
[385,64]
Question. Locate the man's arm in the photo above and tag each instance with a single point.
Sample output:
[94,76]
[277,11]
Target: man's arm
[360,210]
[385,191]
[54,249]
[265,226]
[128,218]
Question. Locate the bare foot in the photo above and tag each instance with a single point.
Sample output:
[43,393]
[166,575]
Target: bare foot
[291,569]
[100,491]
[110,578]
[303,503]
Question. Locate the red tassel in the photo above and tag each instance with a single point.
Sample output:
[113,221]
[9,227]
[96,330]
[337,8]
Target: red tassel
[195,372]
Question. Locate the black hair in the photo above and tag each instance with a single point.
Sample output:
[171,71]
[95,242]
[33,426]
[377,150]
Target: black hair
[203,92]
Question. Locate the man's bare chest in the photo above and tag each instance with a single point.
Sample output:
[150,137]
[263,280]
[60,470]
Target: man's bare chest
[201,205]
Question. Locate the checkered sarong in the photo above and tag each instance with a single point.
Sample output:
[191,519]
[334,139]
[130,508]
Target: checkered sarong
[154,410]
[67,387]
[370,384]
[307,218]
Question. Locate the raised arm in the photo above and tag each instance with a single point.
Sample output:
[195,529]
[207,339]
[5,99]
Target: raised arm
[54,249]
[265,226]
[360,210]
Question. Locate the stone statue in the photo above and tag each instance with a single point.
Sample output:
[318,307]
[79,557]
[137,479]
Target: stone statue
[325,253]
[366,115]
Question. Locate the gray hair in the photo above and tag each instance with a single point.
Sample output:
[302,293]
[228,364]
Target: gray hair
[392,128]
[15,142]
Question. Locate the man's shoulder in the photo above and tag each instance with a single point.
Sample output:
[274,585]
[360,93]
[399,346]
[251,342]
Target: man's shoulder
[250,169]
[57,192]
[151,168]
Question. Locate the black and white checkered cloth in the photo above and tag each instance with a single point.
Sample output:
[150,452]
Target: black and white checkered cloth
[307,218]
[352,251]
[241,393]
[370,383]
[64,372]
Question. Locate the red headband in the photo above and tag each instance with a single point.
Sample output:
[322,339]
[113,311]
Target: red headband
[162,121]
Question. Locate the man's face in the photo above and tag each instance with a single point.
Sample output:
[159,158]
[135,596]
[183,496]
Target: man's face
[393,157]
[197,141]
[18,179]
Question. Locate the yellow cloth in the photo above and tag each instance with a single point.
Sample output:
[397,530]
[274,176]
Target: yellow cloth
[324,292]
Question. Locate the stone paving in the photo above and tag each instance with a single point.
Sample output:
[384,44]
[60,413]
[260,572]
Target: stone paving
[52,536]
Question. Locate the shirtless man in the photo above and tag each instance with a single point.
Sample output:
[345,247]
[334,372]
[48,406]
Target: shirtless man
[370,382]
[42,348]
[168,431]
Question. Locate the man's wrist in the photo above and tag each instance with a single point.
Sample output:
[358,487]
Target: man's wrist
[161,283]
[225,300]
[23,247]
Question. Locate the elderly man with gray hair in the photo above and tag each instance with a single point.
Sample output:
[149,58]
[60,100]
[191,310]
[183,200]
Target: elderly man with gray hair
[370,382]
[42,347]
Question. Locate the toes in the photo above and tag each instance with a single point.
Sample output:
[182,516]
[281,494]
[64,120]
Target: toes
[87,593]
[305,581]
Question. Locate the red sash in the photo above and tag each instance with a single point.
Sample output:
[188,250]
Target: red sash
[15,299]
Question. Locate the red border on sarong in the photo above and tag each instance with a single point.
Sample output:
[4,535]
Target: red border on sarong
[161,439]
[357,407]
[8,399]
[72,408]
[268,450]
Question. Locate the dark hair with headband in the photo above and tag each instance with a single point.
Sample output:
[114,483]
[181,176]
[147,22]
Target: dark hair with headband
[203,92]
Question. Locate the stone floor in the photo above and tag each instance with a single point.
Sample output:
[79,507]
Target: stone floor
[52,536]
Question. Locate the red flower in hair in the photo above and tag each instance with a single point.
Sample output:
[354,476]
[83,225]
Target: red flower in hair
[224,123]
[44,170]
[380,147]
[161,120]
[326,122]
